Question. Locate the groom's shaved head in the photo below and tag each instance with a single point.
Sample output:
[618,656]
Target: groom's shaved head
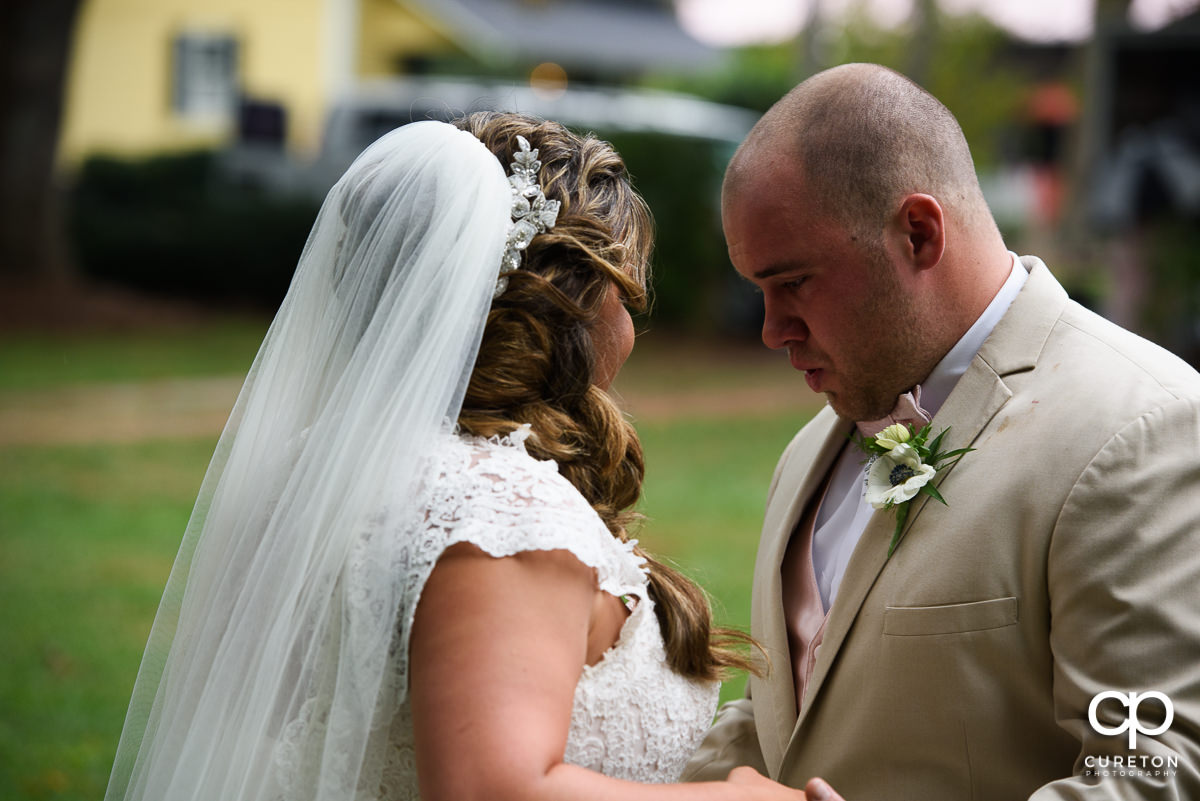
[865,136]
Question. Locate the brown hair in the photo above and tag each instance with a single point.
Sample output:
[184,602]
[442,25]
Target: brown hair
[537,358]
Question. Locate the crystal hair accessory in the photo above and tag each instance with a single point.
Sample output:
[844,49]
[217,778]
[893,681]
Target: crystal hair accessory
[532,214]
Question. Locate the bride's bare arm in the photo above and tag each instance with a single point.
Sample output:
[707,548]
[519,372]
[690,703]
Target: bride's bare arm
[497,648]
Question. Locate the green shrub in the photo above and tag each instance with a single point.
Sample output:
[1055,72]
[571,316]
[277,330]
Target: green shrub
[171,225]
[695,287]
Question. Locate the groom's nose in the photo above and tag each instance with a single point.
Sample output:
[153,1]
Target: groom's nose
[781,325]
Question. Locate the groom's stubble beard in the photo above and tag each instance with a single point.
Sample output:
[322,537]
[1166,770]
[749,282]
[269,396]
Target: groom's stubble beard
[894,348]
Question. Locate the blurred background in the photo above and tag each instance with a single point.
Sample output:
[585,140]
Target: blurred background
[161,162]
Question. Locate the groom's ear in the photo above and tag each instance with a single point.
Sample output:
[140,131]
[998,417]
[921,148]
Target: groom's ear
[922,225]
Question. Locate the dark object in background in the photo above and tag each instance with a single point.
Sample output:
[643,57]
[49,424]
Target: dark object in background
[171,225]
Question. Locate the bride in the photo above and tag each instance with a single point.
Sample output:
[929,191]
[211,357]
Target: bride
[407,573]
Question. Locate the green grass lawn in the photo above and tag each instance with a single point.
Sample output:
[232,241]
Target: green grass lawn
[706,485]
[88,534]
[40,361]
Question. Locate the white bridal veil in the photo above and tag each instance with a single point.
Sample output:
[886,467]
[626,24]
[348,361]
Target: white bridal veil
[277,596]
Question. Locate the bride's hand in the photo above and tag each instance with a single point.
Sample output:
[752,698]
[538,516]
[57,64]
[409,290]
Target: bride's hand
[762,787]
[819,790]
[816,790]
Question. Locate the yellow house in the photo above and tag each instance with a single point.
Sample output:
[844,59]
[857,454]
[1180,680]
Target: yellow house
[158,75]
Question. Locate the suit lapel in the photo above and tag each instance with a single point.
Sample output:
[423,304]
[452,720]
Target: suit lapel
[979,394]
[805,469]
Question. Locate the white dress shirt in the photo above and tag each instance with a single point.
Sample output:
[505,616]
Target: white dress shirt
[844,513]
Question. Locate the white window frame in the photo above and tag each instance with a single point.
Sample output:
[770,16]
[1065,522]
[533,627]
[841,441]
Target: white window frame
[204,76]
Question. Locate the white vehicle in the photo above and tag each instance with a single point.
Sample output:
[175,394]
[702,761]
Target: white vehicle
[373,108]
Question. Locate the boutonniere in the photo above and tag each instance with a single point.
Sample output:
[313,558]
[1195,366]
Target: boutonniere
[903,463]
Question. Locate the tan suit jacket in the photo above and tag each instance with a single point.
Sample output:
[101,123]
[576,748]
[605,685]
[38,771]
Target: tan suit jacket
[1066,563]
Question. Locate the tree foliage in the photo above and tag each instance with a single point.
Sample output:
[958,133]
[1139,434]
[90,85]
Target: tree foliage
[965,69]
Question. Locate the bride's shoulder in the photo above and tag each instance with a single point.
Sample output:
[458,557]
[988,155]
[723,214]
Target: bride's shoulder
[509,446]
[502,453]
[493,493]
[500,469]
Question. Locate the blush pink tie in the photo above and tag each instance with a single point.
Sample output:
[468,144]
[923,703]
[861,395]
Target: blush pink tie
[907,410]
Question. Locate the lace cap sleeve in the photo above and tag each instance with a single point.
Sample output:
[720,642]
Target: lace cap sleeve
[494,495]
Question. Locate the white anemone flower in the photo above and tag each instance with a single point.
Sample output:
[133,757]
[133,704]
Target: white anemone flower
[896,477]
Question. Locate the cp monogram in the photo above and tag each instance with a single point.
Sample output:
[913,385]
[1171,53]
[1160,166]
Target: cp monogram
[1132,724]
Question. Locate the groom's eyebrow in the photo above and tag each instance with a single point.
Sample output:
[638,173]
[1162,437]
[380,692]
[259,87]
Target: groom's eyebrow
[775,269]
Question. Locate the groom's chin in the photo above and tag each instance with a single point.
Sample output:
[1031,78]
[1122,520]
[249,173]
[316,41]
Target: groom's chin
[837,402]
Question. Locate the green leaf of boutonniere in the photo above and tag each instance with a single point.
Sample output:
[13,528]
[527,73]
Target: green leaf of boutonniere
[903,465]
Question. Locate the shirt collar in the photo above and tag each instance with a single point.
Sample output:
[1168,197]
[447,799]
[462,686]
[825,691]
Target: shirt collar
[937,387]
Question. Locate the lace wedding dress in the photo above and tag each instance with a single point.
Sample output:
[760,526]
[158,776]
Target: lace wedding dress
[633,717]
[277,666]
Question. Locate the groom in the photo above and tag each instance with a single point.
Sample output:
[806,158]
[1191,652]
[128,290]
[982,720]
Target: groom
[973,661]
